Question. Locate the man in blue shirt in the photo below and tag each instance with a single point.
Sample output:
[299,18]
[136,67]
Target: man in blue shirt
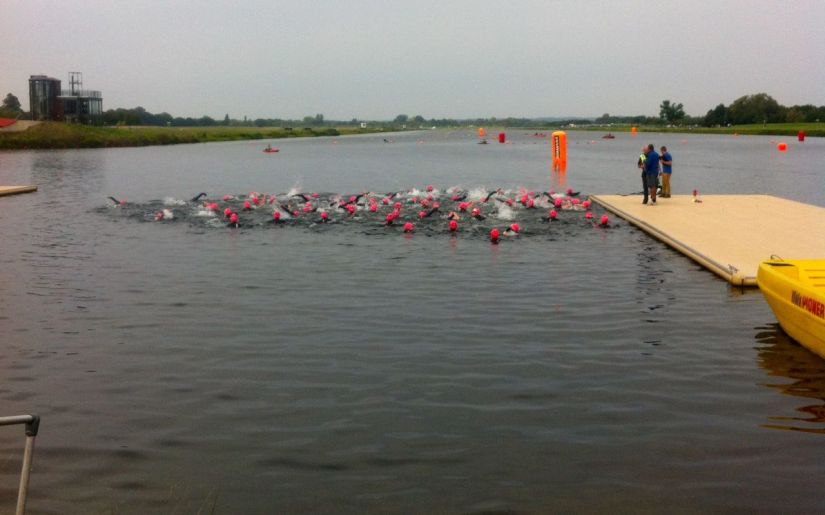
[652,171]
[667,169]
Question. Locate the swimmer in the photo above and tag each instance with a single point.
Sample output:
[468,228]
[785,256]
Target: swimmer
[452,215]
[477,214]
[304,197]
[197,197]
[324,218]
[459,197]
[490,194]
[116,201]
[276,217]
[233,221]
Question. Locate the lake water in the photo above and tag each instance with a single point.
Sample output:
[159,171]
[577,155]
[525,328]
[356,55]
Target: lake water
[185,367]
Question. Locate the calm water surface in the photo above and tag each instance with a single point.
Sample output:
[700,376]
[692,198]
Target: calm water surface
[181,368]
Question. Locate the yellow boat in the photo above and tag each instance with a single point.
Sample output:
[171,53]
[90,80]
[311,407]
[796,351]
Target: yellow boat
[795,291]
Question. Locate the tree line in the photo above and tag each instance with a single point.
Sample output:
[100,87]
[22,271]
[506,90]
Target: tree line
[748,109]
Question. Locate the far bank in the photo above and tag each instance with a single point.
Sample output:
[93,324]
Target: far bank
[51,135]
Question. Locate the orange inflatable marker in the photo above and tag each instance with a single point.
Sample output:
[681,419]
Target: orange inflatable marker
[558,142]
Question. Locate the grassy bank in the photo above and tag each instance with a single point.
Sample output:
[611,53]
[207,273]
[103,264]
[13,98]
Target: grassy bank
[769,129]
[61,135]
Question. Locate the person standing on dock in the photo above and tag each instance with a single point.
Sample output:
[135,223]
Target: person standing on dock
[667,169]
[641,165]
[652,171]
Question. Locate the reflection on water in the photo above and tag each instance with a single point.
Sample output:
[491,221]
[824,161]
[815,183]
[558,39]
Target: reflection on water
[784,358]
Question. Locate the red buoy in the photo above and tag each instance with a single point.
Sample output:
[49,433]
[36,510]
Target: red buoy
[801,136]
[782,147]
[501,137]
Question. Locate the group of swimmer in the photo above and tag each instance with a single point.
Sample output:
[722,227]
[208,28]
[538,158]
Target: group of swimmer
[401,208]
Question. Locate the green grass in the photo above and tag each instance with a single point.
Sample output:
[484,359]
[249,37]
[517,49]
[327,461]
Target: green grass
[769,129]
[61,135]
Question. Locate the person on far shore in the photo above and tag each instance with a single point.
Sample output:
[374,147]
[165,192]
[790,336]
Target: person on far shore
[667,169]
[652,171]
[641,165]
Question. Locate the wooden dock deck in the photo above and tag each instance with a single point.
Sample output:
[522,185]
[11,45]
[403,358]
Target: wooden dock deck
[14,190]
[728,234]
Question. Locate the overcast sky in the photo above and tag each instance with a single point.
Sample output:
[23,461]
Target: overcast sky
[374,59]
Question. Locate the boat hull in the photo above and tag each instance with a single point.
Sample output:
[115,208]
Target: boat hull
[795,291]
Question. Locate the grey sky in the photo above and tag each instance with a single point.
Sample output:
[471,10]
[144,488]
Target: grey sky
[439,58]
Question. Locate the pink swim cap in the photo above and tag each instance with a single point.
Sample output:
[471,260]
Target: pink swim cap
[276,215]
[604,220]
[324,215]
[476,211]
[385,201]
[233,218]
[373,208]
[557,202]
[553,214]
[227,212]
[463,206]
[430,187]
[494,234]
[408,227]
[422,214]
[589,215]
[453,225]
[247,206]
[514,227]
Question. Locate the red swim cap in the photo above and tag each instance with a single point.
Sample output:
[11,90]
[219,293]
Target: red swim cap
[553,214]
[408,227]
[324,215]
[557,202]
[494,234]
[463,206]
[247,206]
[227,212]
[276,215]
[390,218]
[589,215]
[604,220]
[233,218]
[514,227]
[453,225]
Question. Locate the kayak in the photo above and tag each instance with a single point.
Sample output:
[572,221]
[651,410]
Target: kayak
[271,150]
[795,291]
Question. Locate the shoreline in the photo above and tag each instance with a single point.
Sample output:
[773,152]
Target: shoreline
[56,135]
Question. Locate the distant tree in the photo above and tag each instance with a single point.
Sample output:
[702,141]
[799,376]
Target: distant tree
[671,113]
[716,116]
[758,108]
[11,103]
[605,118]
[226,119]
[401,119]
[319,119]
[418,119]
